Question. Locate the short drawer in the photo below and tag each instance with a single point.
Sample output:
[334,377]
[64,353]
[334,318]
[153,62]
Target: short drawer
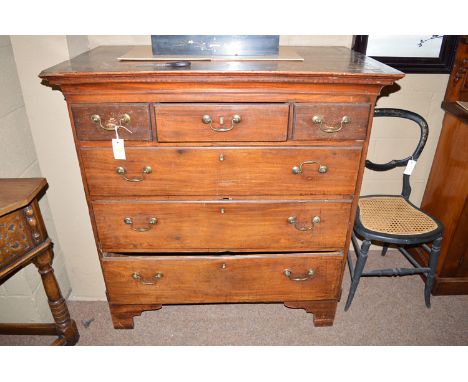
[96,122]
[220,171]
[221,122]
[192,279]
[246,225]
[330,121]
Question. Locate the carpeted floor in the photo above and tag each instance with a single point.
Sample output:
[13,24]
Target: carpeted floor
[385,311]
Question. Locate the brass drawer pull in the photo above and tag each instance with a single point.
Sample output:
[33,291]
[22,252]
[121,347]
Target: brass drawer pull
[318,120]
[310,274]
[122,171]
[158,276]
[112,123]
[322,169]
[151,222]
[293,220]
[206,119]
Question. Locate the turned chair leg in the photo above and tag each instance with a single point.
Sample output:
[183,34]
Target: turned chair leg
[384,249]
[360,263]
[433,258]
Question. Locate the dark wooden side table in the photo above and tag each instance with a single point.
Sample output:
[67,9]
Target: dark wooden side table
[24,239]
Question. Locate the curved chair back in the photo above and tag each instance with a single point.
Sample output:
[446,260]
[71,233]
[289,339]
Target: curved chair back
[400,113]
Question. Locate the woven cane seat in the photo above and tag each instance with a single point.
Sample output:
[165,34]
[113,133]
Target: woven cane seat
[393,216]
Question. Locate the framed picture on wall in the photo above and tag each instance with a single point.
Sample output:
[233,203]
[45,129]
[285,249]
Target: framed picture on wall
[410,53]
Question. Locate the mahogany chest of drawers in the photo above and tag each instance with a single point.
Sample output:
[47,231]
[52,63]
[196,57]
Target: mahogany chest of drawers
[240,179]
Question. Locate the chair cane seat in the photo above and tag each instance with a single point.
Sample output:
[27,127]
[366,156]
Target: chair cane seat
[394,215]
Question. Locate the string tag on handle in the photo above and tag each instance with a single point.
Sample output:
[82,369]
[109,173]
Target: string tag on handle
[130,131]
[118,146]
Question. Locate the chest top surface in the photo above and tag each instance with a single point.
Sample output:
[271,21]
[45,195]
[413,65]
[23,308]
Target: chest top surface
[335,64]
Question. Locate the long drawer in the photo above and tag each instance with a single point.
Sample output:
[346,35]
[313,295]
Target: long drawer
[221,225]
[223,171]
[192,279]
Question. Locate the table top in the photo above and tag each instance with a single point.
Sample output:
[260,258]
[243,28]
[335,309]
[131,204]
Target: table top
[102,63]
[19,192]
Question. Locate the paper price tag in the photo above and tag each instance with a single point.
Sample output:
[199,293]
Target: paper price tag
[410,167]
[118,148]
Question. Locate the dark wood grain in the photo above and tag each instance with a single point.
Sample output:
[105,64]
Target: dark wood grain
[336,64]
[122,314]
[457,87]
[15,238]
[242,171]
[217,225]
[446,198]
[323,311]
[259,122]
[16,193]
[29,329]
[332,114]
[222,278]
[87,130]
[65,326]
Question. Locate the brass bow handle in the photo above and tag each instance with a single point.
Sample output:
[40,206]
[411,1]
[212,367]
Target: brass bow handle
[151,222]
[137,276]
[111,124]
[206,119]
[307,276]
[293,220]
[322,169]
[318,120]
[122,171]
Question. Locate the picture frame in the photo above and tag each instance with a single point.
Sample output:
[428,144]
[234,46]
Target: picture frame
[440,62]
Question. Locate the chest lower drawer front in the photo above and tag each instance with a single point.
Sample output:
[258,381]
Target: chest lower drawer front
[192,122]
[191,279]
[223,171]
[219,225]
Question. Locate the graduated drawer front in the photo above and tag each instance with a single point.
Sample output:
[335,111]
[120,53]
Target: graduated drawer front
[133,116]
[257,122]
[223,171]
[221,225]
[330,121]
[191,279]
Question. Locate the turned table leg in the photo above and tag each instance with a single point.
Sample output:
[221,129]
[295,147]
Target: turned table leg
[66,327]
[323,311]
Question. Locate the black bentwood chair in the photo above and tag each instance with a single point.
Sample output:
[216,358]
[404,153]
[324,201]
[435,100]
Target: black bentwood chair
[393,219]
